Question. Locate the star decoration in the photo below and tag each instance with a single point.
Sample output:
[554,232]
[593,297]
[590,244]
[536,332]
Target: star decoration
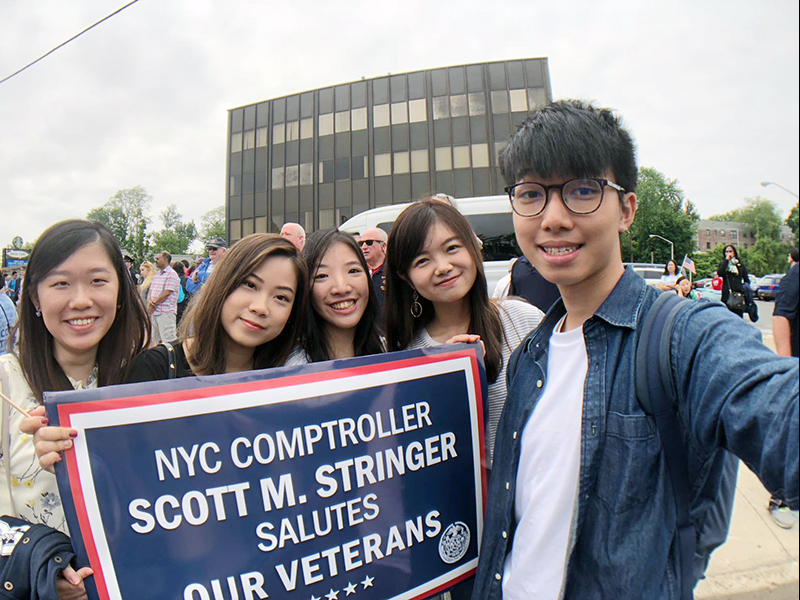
[367,581]
[332,595]
[313,597]
[350,589]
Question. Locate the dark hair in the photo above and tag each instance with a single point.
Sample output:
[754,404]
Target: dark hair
[570,138]
[732,247]
[406,241]
[185,263]
[314,340]
[124,340]
[166,255]
[202,321]
[795,254]
[666,267]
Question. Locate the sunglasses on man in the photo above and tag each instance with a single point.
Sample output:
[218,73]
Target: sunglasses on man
[369,242]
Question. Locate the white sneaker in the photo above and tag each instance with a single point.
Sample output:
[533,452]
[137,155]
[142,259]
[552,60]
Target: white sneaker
[784,517]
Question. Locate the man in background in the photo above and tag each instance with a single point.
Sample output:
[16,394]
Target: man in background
[785,333]
[373,245]
[216,250]
[163,300]
[295,234]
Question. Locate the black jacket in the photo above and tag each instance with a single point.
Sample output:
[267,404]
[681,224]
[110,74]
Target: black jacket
[31,557]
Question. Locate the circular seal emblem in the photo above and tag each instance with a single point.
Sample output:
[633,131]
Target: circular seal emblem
[454,542]
[17,243]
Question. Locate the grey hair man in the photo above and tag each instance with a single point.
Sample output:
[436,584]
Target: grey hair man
[295,233]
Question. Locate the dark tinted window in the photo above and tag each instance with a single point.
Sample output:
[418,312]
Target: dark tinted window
[496,231]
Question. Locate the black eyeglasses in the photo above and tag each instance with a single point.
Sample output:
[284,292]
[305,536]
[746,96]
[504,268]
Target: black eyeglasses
[581,196]
[368,242]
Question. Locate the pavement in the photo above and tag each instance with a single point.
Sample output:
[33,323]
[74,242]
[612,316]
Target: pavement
[759,561]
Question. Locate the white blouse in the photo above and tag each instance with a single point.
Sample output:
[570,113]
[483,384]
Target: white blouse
[35,492]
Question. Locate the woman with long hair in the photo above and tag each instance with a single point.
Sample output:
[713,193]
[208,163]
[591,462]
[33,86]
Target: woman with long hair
[436,293]
[670,276]
[246,316]
[81,322]
[147,271]
[342,315]
[734,276]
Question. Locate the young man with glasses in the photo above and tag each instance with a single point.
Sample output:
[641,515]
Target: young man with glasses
[580,502]
[373,245]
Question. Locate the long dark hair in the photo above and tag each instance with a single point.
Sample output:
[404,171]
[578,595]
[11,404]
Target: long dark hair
[666,267]
[406,241]
[202,320]
[315,340]
[126,337]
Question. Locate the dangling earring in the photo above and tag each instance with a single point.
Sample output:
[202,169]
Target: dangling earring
[38,313]
[416,307]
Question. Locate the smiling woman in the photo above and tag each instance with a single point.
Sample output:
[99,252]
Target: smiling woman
[342,317]
[81,323]
[246,316]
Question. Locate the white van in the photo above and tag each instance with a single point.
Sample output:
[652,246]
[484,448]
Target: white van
[490,217]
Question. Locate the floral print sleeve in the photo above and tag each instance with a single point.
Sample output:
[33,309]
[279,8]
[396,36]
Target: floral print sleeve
[34,490]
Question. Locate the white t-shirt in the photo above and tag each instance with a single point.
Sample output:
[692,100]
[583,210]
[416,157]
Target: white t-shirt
[547,476]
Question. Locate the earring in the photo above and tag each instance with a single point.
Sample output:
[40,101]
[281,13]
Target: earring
[38,313]
[416,307]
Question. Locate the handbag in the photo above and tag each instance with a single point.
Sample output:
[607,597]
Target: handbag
[735,301]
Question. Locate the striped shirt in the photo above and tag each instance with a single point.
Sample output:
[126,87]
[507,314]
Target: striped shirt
[166,279]
[518,319]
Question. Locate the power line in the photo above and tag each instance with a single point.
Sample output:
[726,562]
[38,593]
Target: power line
[68,41]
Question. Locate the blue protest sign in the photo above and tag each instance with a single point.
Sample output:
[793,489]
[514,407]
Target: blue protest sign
[357,478]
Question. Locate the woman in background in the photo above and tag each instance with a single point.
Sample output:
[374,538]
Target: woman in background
[734,276]
[147,271]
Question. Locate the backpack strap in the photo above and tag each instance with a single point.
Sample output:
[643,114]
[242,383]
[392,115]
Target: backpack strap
[656,391]
[172,370]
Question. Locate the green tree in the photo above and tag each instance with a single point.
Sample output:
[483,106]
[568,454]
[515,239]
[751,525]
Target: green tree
[759,214]
[126,215]
[707,262]
[176,236]
[765,256]
[662,210]
[791,221]
[212,224]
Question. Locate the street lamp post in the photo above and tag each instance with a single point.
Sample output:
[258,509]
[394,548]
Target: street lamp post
[671,245]
[766,183]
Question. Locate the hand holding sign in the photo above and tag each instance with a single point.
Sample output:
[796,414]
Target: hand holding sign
[358,477]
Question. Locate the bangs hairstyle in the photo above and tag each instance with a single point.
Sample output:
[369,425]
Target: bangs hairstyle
[124,340]
[732,247]
[570,138]
[406,242]
[368,331]
[202,320]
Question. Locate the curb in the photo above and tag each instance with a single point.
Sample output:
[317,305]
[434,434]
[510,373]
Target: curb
[778,582]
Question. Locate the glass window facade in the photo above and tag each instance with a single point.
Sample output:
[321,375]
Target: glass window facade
[324,155]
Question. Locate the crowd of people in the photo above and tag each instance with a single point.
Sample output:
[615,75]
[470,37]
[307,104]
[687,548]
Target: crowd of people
[579,500]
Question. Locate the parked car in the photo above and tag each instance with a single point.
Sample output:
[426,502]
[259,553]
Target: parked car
[650,272]
[700,283]
[709,293]
[490,217]
[767,286]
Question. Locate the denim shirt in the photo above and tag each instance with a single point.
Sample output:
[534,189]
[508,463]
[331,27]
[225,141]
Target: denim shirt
[733,392]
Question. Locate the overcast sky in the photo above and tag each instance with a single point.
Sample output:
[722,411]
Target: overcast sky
[709,89]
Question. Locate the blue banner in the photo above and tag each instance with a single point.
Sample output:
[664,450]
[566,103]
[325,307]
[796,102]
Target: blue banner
[361,478]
